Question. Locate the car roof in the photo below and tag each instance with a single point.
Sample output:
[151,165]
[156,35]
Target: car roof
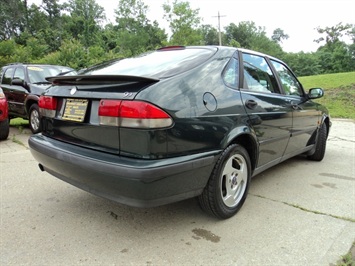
[235,48]
[33,64]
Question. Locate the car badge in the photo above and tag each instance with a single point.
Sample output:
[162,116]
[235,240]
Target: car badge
[127,94]
[73,91]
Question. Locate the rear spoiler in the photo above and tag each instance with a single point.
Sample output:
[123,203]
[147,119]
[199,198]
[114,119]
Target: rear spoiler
[98,79]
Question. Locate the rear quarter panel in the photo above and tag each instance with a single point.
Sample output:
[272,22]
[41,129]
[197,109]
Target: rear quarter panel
[199,126]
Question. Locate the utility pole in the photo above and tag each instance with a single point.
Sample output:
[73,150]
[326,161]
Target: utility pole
[219,28]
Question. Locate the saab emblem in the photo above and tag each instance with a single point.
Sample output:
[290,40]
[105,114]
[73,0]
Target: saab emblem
[73,91]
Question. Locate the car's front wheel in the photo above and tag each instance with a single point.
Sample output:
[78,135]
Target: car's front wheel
[321,143]
[4,129]
[228,185]
[34,119]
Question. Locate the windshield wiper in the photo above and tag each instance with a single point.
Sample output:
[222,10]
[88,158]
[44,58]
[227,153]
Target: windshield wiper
[66,72]
[41,83]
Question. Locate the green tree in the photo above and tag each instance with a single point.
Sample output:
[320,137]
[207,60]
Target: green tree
[335,55]
[247,35]
[183,22]
[37,21]
[264,45]
[333,35]
[71,53]
[45,23]
[12,19]
[7,50]
[279,35]
[55,33]
[86,19]
[135,33]
[10,51]
[53,10]
[243,33]
[209,35]
[303,64]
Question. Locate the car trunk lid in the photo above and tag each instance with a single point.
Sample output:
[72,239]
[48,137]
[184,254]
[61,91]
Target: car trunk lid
[74,115]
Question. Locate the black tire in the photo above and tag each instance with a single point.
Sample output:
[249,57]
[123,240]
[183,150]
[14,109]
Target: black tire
[4,129]
[34,119]
[228,186]
[321,143]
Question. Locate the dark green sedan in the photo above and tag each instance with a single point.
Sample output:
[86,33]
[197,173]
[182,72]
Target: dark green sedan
[177,123]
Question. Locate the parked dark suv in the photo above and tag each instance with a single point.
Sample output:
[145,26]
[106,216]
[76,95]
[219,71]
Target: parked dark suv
[23,84]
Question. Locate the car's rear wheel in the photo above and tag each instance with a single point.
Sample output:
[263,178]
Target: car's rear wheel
[4,129]
[228,185]
[34,119]
[319,152]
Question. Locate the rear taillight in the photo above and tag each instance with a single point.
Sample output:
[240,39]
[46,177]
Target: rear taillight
[47,106]
[133,114]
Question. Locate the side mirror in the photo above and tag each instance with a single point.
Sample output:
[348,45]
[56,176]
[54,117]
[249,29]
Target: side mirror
[18,82]
[315,93]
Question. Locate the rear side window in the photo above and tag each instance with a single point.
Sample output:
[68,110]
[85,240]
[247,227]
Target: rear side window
[231,73]
[158,64]
[258,75]
[7,78]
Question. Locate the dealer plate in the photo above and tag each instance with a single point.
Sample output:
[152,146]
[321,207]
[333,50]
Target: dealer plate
[75,110]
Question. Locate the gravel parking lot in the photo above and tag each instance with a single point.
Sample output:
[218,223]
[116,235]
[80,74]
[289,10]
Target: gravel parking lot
[298,213]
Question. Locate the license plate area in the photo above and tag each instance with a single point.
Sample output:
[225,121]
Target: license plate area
[75,110]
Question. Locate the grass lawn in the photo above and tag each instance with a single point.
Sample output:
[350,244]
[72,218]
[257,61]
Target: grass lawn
[18,122]
[339,93]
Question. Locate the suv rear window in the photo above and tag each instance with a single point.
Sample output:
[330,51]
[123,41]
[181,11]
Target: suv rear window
[158,64]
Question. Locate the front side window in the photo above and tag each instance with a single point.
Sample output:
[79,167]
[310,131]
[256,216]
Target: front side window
[290,84]
[258,75]
[19,73]
[8,76]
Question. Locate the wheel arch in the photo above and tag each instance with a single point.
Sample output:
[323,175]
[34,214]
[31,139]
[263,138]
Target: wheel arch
[248,140]
[328,124]
[31,99]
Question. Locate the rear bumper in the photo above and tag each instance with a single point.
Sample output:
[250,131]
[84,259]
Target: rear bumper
[134,182]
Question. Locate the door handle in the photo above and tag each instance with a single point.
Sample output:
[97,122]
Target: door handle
[251,104]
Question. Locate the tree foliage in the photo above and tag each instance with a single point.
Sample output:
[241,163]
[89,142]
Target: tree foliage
[135,33]
[86,20]
[279,35]
[183,22]
[75,33]
[12,20]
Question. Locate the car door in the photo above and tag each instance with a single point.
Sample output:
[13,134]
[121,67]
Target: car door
[15,93]
[19,91]
[269,112]
[306,117]
[7,87]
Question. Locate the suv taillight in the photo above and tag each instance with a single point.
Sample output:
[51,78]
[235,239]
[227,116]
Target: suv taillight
[133,114]
[2,95]
[47,106]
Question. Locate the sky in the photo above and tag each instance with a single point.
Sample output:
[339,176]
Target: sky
[297,18]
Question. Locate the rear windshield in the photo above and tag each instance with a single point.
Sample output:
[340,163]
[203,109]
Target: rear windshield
[158,64]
